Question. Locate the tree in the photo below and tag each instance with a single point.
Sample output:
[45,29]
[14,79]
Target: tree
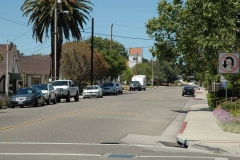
[101,44]
[42,16]
[127,75]
[193,33]
[1,57]
[116,57]
[76,62]
[143,69]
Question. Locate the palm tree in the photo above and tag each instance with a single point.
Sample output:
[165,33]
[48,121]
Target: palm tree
[42,16]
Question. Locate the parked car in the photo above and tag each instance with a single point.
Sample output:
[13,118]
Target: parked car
[28,97]
[135,85]
[109,88]
[196,85]
[68,89]
[188,90]
[48,91]
[92,91]
[119,88]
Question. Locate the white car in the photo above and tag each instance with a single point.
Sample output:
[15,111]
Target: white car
[48,92]
[196,85]
[92,91]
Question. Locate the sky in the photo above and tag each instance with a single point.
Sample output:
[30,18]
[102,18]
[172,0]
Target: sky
[127,16]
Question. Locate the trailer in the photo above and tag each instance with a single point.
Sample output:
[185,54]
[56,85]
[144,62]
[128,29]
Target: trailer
[141,79]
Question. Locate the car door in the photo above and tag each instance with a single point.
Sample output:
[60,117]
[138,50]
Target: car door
[38,95]
[51,90]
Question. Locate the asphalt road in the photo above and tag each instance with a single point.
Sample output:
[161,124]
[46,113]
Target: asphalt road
[134,125]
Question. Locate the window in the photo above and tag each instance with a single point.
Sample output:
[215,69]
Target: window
[36,81]
[134,58]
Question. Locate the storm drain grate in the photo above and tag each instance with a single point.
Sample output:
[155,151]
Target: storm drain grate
[121,156]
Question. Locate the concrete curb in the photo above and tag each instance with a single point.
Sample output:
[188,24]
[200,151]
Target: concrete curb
[196,145]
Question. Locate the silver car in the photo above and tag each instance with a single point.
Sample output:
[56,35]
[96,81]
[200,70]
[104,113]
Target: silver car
[119,88]
[48,92]
[92,91]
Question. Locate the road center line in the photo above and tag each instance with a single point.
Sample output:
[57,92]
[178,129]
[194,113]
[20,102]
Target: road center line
[52,117]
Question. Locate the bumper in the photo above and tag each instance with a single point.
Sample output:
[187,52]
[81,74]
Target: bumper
[22,103]
[90,95]
[108,91]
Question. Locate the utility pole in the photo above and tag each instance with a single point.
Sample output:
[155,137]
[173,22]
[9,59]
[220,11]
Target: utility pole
[152,74]
[55,41]
[111,37]
[92,51]
[137,65]
[6,77]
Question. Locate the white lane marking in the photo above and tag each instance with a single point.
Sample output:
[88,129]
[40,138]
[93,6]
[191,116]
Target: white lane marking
[86,144]
[51,154]
[216,158]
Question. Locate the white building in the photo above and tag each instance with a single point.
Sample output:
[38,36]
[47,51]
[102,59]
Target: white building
[135,56]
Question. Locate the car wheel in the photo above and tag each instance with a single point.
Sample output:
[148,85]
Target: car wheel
[68,98]
[35,103]
[58,99]
[98,96]
[182,94]
[13,107]
[76,98]
[20,106]
[43,102]
[193,95]
[55,100]
[49,100]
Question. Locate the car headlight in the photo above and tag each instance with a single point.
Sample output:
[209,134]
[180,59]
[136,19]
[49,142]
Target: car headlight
[29,98]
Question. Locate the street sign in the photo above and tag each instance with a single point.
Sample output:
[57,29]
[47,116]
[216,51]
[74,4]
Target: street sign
[228,63]
[224,84]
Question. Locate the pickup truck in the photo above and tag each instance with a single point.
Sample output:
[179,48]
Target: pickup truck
[67,88]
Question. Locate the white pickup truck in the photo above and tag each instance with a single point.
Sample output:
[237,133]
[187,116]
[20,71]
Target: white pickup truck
[67,90]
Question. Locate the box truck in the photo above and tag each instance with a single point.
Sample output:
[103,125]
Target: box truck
[141,79]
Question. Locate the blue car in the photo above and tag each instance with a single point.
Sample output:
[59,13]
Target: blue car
[109,88]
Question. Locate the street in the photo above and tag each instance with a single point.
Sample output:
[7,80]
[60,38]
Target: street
[135,124]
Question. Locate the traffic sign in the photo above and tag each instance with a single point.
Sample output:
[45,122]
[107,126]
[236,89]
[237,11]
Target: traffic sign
[228,63]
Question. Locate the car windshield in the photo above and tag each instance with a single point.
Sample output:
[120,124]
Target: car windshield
[41,86]
[59,83]
[91,87]
[107,84]
[188,87]
[135,82]
[26,91]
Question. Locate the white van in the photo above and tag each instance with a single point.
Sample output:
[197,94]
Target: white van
[141,79]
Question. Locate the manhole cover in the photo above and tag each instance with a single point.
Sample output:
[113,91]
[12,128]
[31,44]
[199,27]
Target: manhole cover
[121,156]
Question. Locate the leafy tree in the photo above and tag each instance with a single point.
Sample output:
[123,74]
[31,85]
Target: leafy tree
[116,62]
[127,75]
[42,16]
[116,57]
[76,62]
[101,44]
[191,34]
[1,57]
[143,69]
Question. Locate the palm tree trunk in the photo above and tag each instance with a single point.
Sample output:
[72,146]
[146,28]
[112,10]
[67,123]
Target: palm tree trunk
[52,50]
[59,50]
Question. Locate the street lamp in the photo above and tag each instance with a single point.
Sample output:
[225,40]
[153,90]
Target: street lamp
[55,36]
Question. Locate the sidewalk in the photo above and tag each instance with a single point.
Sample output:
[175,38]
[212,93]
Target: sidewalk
[200,130]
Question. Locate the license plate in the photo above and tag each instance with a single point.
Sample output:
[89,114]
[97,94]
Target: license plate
[20,102]
[188,93]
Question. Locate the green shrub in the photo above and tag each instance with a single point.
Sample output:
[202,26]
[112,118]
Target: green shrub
[7,101]
[235,112]
[212,99]
[228,106]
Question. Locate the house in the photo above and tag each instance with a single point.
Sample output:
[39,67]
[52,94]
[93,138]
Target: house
[14,69]
[23,71]
[35,69]
[135,56]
